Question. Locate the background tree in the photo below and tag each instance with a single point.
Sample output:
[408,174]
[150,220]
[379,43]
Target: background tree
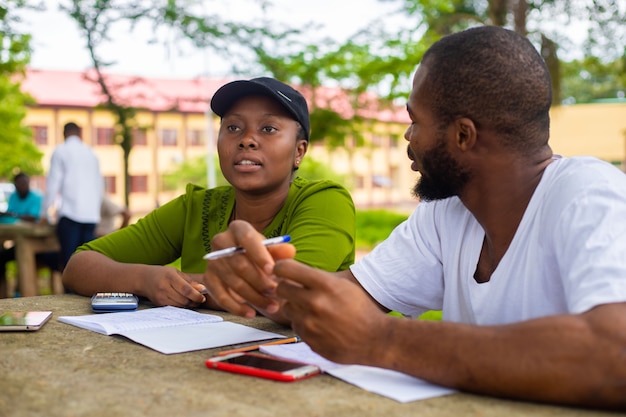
[95,19]
[547,23]
[194,171]
[16,145]
[377,61]
[590,79]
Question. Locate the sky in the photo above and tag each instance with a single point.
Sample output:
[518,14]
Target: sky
[57,45]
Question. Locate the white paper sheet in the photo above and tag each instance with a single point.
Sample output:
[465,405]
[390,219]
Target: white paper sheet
[391,384]
[171,329]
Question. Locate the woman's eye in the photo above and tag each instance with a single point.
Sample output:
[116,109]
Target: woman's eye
[268,129]
[232,128]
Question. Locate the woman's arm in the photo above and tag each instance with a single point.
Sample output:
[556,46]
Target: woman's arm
[89,272]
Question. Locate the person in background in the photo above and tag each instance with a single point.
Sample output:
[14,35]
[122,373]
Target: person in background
[109,213]
[74,179]
[263,137]
[523,250]
[24,205]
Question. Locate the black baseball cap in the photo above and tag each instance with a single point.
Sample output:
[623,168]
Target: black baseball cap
[292,100]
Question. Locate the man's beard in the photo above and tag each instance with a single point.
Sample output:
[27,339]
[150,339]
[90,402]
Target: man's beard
[442,176]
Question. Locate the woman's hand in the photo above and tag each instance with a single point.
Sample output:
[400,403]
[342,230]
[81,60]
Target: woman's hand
[169,286]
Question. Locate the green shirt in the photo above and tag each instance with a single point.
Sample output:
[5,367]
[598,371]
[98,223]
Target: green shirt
[318,215]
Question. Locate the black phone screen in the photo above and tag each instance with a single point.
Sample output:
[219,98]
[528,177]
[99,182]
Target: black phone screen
[263,363]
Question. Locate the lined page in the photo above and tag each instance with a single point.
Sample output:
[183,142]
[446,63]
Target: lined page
[150,318]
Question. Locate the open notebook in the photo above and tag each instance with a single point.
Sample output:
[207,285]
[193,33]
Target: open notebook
[170,329]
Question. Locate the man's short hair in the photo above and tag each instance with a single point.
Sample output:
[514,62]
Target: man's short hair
[20,175]
[71,128]
[496,78]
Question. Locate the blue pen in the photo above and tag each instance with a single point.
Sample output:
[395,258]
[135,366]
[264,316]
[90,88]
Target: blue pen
[238,249]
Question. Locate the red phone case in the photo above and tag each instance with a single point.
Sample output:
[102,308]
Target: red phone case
[258,372]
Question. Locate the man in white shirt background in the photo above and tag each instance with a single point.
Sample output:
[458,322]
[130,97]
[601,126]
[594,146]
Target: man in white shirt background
[76,183]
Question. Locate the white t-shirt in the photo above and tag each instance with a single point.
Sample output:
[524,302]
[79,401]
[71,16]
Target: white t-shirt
[74,177]
[567,256]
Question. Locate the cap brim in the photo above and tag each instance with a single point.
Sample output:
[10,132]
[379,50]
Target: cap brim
[229,94]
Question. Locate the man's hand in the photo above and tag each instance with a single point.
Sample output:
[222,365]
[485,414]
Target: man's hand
[332,314]
[244,283]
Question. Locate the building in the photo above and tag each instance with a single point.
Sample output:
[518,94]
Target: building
[174,124]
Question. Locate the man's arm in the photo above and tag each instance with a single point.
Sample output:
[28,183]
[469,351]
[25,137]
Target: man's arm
[567,359]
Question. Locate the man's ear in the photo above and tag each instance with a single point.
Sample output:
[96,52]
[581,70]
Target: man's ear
[466,134]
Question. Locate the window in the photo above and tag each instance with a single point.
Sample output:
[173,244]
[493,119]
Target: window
[40,135]
[105,136]
[195,137]
[377,140]
[139,137]
[168,137]
[110,184]
[139,184]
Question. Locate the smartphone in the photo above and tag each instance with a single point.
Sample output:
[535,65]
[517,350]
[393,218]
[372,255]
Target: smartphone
[263,366]
[112,302]
[23,320]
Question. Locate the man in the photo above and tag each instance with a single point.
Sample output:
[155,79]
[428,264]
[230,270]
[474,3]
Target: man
[24,205]
[74,178]
[521,249]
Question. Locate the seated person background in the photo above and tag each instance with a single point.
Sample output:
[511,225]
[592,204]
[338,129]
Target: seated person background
[109,212]
[24,205]
[523,250]
[262,140]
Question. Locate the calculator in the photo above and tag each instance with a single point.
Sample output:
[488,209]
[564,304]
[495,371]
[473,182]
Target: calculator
[112,302]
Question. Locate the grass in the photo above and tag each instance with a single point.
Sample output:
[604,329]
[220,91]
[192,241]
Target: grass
[44,279]
[373,226]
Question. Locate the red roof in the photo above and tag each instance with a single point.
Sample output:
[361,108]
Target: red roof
[79,89]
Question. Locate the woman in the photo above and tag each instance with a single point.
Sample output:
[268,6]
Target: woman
[263,137]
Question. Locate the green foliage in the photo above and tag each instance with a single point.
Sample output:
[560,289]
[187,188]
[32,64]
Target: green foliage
[373,226]
[16,146]
[332,128]
[431,315]
[591,79]
[547,23]
[194,170]
[312,169]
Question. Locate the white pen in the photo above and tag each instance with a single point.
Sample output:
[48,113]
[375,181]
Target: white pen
[238,249]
